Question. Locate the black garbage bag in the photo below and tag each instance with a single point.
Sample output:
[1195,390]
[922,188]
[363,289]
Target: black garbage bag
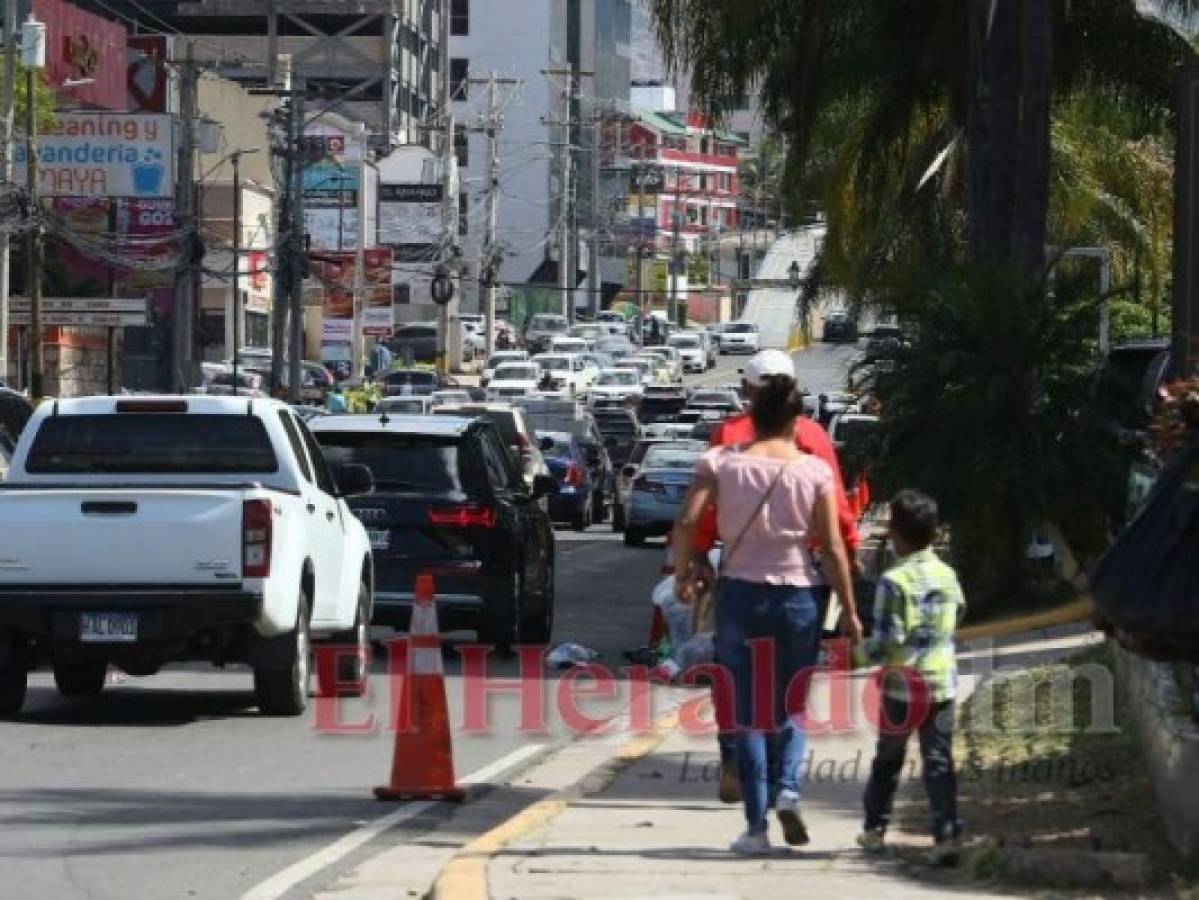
[1146,587]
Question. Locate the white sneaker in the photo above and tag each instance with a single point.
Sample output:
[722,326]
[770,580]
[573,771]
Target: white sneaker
[786,807]
[751,845]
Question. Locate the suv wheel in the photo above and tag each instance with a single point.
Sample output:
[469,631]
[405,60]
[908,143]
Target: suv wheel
[14,681]
[501,615]
[284,692]
[617,516]
[633,537]
[537,628]
[85,679]
[582,521]
[352,669]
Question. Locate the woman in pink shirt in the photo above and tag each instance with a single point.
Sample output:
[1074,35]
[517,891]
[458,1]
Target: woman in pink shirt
[772,500]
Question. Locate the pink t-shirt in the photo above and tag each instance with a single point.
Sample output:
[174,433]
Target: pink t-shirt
[776,548]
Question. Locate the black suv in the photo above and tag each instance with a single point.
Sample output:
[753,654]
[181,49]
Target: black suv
[839,328]
[450,500]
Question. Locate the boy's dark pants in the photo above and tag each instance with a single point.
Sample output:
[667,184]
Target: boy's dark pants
[936,750]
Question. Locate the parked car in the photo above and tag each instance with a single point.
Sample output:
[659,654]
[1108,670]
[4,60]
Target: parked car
[515,429]
[541,329]
[415,342]
[739,337]
[617,384]
[449,499]
[141,531]
[656,493]
[498,359]
[404,406]
[660,403]
[692,354]
[839,328]
[568,463]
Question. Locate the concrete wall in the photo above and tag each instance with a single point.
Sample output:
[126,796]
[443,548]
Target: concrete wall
[1170,741]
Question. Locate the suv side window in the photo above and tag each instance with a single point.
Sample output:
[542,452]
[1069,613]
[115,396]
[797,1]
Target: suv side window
[497,461]
[324,480]
[297,443]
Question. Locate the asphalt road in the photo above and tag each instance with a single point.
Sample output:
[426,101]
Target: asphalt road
[174,786]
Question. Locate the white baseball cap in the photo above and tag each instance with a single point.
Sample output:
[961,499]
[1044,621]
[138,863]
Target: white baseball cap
[765,363]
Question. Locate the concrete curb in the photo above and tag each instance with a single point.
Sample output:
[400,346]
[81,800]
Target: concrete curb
[464,877]
[1076,611]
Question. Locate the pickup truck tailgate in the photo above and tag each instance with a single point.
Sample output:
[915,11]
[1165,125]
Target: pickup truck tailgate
[185,536]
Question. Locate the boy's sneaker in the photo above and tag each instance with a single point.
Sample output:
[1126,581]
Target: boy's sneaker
[786,808]
[730,783]
[750,844]
[947,850]
[872,840]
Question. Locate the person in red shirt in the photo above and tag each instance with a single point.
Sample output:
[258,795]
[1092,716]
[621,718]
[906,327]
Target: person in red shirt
[810,437]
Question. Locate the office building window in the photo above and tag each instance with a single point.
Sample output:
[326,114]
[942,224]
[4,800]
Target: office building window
[459,73]
[463,208]
[462,147]
[460,17]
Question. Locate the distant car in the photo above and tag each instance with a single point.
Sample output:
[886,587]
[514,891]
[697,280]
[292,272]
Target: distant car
[703,430]
[669,431]
[568,374]
[833,404]
[404,406]
[885,337]
[851,427]
[660,371]
[657,490]
[620,430]
[515,428]
[568,463]
[449,498]
[541,329]
[660,404]
[722,400]
[416,382]
[498,359]
[568,344]
[839,328]
[248,384]
[414,343]
[739,337]
[512,380]
[617,384]
[449,397]
[597,361]
[714,330]
[308,413]
[692,353]
[591,332]
[673,358]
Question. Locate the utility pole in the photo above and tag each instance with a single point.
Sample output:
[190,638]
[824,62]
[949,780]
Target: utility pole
[673,302]
[298,260]
[236,244]
[357,350]
[447,313]
[640,170]
[593,262]
[565,206]
[489,268]
[187,216]
[33,51]
[7,104]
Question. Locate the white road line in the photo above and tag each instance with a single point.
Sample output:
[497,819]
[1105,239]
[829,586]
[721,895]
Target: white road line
[282,882]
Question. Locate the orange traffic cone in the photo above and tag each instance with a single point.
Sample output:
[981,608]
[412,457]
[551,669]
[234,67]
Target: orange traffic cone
[422,766]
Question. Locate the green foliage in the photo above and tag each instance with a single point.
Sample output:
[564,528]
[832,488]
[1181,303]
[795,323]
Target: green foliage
[45,100]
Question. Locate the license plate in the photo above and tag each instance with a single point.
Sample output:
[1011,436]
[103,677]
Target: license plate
[108,628]
[380,538]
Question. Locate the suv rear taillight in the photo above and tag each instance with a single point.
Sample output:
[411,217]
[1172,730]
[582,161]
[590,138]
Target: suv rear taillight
[467,516]
[256,538]
[574,475]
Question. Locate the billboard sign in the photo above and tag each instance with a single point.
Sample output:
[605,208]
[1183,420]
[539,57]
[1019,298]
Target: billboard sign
[331,205]
[98,154]
[409,220]
[84,50]
[377,316]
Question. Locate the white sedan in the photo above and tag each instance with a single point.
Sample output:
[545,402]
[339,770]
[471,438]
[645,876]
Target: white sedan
[617,384]
[512,380]
[691,350]
[498,359]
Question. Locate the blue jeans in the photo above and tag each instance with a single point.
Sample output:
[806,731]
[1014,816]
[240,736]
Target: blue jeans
[770,742]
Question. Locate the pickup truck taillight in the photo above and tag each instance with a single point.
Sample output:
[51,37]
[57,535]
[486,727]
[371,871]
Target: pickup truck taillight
[574,475]
[467,516]
[256,539]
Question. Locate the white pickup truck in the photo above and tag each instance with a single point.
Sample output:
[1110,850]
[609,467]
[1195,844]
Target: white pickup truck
[137,531]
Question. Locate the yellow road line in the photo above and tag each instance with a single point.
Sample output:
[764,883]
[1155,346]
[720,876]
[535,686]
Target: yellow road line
[465,876]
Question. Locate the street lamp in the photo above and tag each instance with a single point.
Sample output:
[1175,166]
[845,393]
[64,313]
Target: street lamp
[33,58]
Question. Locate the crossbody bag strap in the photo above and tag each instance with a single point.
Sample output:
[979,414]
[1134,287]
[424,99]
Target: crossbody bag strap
[753,517]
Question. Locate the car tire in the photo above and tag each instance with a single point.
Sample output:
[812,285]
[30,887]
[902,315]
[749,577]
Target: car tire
[14,682]
[500,617]
[617,518]
[85,679]
[284,692]
[602,510]
[539,628]
[633,537]
[352,671]
[582,521]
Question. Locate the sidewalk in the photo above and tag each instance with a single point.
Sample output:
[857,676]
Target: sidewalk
[658,830]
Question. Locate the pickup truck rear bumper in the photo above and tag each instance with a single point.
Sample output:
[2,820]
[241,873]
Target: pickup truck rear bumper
[164,613]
